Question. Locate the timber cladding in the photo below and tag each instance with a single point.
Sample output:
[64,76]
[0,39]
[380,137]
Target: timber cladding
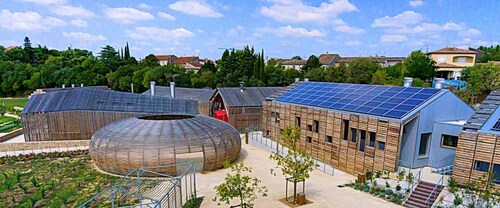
[337,138]
[476,156]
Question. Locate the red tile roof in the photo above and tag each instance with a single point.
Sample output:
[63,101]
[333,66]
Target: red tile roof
[453,50]
[186,59]
[165,57]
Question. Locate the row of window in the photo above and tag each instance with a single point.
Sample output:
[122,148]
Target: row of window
[485,167]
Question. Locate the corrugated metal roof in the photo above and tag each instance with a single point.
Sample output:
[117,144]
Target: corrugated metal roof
[183,93]
[250,96]
[484,112]
[107,100]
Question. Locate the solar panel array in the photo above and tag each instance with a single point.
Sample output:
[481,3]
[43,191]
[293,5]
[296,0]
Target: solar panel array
[496,126]
[387,101]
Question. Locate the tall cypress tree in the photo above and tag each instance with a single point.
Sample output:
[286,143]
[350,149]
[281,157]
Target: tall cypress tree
[262,65]
[29,50]
[127,52]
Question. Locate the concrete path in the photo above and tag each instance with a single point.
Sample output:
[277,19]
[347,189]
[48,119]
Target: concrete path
[321,188]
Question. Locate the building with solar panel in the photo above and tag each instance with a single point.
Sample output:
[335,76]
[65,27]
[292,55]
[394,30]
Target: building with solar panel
[477,153]
[358,128]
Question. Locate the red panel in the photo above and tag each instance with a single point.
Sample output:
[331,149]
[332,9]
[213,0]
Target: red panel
[221,115]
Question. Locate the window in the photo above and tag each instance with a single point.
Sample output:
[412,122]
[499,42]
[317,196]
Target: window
[297,121]
[268,132]
[277,119]
[481,166]
[316,126]
[273,114]
[309,139]
[424,145]
[449,141]
[354,135]
[496,173]
[381,145]
[373,136]
[345,133]
[362,139]
[309,127]
[329,139]
[461,59]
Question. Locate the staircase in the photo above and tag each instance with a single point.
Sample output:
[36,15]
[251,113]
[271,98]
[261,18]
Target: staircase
[419,195]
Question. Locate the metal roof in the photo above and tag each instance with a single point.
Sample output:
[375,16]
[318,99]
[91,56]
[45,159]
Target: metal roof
[93,99]
[184,93]
[484,112]
[376,100]
[249,96]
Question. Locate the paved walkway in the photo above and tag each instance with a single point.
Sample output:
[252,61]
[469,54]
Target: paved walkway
[321,188]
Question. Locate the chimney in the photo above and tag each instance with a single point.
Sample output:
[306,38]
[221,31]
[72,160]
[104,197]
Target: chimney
[63,86]
[297,79]
[306,79]
[81,85]
[72,85]
[152,88]
[172,89]
[242,88]
[407,81]
[438,83]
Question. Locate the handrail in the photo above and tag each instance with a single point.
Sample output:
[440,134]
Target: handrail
[434,190]
[413,184]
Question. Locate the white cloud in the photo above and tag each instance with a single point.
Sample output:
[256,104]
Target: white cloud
[84,36]
[353,42]
[401,20]
[469,33]
[127,15]
[72,11]
[289,31]
[416,3]
[166,16]
[79,23]
[46,2]
[196,8]
[297,11]
[145,6]
[429,28]
[234,31]
[349,29]
[392,38]
[28,21]
[158,34]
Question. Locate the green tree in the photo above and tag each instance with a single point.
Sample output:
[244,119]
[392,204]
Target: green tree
[481,193]
[482,78]
[361,70]
[297,58]
[296,164]
[29,50]
[336,73]
[419,65]
[208,66]
[379,77]
[127,52]
[316,74]
[311,63]
[239,185]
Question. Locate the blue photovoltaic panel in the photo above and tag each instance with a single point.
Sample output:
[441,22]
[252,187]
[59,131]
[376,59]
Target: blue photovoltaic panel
[387,101]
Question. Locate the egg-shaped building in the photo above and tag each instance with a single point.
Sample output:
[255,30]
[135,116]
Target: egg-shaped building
[164,140]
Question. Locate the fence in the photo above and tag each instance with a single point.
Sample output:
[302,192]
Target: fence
[257,139]
[144,187]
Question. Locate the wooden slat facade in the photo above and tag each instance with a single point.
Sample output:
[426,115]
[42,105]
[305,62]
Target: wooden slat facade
[342,154]
[474,146]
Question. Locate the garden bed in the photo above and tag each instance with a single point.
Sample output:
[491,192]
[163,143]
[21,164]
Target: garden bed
[62,179]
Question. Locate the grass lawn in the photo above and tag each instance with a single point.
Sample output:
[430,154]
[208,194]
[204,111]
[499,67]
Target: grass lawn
[52,180]
[5,119]
[11,102]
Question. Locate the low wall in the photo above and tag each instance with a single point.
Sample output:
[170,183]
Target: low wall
[25,146]
[11,135]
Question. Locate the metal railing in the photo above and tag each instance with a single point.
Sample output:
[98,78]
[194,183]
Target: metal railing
[434,191]
[413,185]
[143,187]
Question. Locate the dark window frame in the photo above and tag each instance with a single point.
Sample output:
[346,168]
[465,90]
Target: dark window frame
[316,126]
[297,121]
[354,135]
[481,166]
[309,127]
[428,138]
[345,129]
[381,147]
[329,139]
[444,136]
[308,139]
[373,136]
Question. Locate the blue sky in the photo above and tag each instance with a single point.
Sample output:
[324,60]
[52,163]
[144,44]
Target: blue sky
[283,28]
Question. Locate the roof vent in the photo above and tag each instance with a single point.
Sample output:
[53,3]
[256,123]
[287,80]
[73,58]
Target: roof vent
[63,86]
[438,83]
[242,87]
[81,85]
[152,88]
[306,79]
[407,81]
[172,89]
[297,79]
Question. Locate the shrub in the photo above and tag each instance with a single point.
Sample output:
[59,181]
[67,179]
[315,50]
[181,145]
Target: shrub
[375,183]
[381,194]
[378,174]
[372,191]
[401,175]
[398,187]
[458,201]
[387,184]
[389,192]
[409,177]
[366,189]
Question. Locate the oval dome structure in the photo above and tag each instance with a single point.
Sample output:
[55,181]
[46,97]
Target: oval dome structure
[162,141]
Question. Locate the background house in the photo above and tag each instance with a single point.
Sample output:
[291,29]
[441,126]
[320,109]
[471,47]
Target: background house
[451,61]
[292,63]
[165,59]
[191,62]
